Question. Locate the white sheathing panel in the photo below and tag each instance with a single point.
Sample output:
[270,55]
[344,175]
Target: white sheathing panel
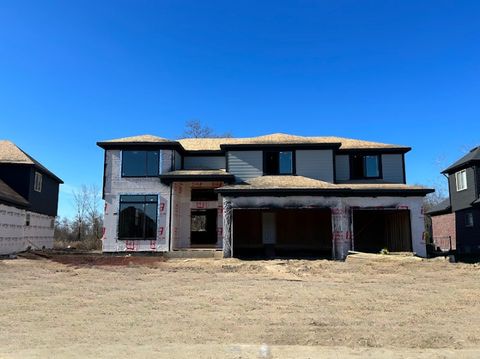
[12,222]
[204,162]
[245,165]
[341,215]
[115,186]
[15,236]
[392,167]
[342,167]
[317,164]
[39,234]
[182,207]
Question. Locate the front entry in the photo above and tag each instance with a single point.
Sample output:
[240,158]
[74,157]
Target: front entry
[203,227]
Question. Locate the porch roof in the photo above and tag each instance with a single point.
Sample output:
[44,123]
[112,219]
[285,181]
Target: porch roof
[196,175]
[299,185]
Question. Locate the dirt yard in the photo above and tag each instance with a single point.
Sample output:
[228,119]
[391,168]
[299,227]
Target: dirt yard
[74,306]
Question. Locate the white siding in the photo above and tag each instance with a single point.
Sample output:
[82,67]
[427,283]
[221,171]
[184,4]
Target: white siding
[392,166]
[204,162]
[342,167]
[317,164]
[245,165]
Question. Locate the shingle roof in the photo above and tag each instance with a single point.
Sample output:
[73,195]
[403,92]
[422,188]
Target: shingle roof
[296,183]
[213,144]
[138,139]
[197,175]
[8,195]
[440,208]
[11,153]
[472,156]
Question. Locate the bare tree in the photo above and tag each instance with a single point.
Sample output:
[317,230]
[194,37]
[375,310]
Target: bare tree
[195,129]
[81,204]
[93,211]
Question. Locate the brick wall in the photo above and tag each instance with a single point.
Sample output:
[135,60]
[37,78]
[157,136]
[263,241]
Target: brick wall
[443,227]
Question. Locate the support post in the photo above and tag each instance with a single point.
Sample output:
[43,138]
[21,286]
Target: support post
[227,228]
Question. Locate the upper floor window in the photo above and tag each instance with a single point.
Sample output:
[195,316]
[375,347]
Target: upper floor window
[138,217]
[278,163]
[461,179]
[37,185]
[140,163]
[365,166]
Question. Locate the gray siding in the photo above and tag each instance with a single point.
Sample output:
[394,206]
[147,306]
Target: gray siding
[317,164]
[245,165]
[463,199]
[342,167]
[392,166]
[204,162]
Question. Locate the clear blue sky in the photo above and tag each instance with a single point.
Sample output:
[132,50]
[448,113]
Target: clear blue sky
[75,72]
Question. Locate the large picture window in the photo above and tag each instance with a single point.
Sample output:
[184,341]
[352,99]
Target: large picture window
[138,217]
[278,163]
[140,163]
[365,166]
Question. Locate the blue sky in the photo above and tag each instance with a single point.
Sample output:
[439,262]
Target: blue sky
[75,72]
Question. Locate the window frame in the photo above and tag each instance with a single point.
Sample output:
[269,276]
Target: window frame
[38,182]
[277,151]
[144,202]
[364,156]
[122,166]
[457,175]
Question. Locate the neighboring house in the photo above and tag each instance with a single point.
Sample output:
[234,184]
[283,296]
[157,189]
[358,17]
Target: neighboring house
[28,201]
[444,236]
[464,188]
[273,195]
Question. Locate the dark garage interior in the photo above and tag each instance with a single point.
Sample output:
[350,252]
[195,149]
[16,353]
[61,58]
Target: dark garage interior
[299,233]
[374,230]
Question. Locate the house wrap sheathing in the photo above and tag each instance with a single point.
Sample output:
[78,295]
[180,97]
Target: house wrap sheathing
[320,207]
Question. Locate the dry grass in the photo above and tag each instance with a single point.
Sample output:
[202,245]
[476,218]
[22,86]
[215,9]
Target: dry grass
[210,308]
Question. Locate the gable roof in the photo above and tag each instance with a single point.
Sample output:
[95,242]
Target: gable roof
[472,156]
[11,153]
[9,196]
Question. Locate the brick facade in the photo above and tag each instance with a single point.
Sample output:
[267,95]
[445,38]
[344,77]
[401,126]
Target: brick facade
[443,227]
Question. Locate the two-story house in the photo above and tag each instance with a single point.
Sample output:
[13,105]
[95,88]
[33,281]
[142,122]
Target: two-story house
[28,201]
[459,217]
[273,195]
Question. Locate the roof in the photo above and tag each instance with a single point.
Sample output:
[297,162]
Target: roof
[11,153]
[443,207]
[300,184]
[215,144]
[197,175]
[476,202]
[472,156]
[8,195]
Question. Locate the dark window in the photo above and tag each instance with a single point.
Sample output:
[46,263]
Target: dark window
[469,219]
[204,194]
[140,163]
[278,162]
[138,217]
[364,166]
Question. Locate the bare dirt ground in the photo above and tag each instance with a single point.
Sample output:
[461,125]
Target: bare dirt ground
[95,306]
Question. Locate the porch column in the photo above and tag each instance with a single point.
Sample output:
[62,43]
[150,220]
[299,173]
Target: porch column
[341,231]
[227,228]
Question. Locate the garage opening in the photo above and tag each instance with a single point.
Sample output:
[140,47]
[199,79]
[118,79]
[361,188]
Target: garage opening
[374,230]
[282,233]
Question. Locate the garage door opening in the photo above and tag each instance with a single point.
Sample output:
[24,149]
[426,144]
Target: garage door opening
[374,230]
[282,233]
